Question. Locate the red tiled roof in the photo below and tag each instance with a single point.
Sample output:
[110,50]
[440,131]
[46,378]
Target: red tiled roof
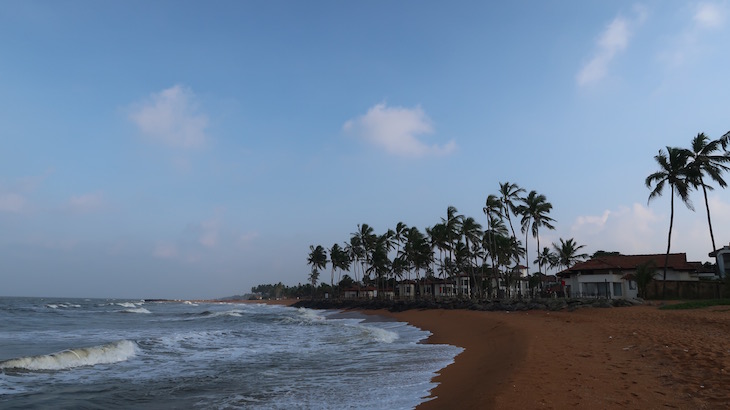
[677,261]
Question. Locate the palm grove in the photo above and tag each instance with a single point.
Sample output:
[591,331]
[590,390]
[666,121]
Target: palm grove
[455,246]
[491,254]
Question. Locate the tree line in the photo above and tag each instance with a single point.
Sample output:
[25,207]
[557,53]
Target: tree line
[457,245]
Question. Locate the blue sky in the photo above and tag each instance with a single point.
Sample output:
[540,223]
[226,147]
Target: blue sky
[188,150]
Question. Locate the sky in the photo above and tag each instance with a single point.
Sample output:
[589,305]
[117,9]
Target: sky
[181,149]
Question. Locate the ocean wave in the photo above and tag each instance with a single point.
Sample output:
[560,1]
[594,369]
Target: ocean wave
[381,335]
[126,304]
[67,359]
[136,310]
[62,305]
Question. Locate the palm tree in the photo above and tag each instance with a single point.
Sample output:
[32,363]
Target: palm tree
[567,253]
[335,251]
[510,195]
[704,161]
[496,232]
[546,257]
[317,260]
[339,259]
[355,253]
[471,230]
[534,211]
[644,275]
[439,239]
[673,171]
[366,239]
[453,225]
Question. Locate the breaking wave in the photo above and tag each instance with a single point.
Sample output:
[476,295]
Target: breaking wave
[67,359]
[136,310]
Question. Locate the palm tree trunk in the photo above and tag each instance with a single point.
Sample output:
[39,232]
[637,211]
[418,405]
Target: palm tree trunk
[709,222]
[669,244]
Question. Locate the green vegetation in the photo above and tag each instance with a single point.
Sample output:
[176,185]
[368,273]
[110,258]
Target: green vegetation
[456,246]
[683,169]
[697,304]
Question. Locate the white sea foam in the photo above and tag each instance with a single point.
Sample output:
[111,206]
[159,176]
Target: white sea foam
[127,304]
[187,302]
[381,335]
[136,310]
[62,305]
[67,359]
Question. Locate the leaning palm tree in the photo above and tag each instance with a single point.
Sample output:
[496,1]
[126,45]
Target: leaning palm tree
[673,171]
[705,161]
[510,196]
[534,211]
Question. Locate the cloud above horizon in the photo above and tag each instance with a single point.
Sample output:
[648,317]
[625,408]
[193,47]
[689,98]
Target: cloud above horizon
[614,39]
[397,130]
[709,15]
[638,229]
[86,202]
[695,39]
[171,117]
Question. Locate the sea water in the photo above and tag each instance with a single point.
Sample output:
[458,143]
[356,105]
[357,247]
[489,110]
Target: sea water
[94,353]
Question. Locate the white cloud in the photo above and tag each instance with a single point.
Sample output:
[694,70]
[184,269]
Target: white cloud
[86,202]
[12,202]
[638,229]
[627,229]
[210,232]
[614,39]
[165,251]
[397,130]
[171,117]
[245,240]
[692,41]
[709,15]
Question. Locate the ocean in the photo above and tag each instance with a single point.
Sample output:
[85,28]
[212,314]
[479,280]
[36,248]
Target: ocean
[108,354]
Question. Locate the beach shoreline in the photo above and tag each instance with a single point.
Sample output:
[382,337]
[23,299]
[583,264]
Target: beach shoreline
[630,357]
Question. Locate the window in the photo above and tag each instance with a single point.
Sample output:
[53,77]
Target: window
[617,289]
[632,285]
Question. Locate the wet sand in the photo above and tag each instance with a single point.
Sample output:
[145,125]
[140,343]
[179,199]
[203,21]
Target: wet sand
[632,357]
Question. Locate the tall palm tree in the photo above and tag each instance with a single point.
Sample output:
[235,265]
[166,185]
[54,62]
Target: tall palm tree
[496,232]
[510,196]
[471,230]
[673,171]
[705,161]
[534,211]
[439,239]
[453,225]
[339,259]
[366,238]
[355,253]
[335,251]
[317,259]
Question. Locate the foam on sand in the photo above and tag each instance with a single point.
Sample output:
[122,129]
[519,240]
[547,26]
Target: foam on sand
[67,359]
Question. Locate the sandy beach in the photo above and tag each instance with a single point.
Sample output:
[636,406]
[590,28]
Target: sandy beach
[592,358]
[633,357]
